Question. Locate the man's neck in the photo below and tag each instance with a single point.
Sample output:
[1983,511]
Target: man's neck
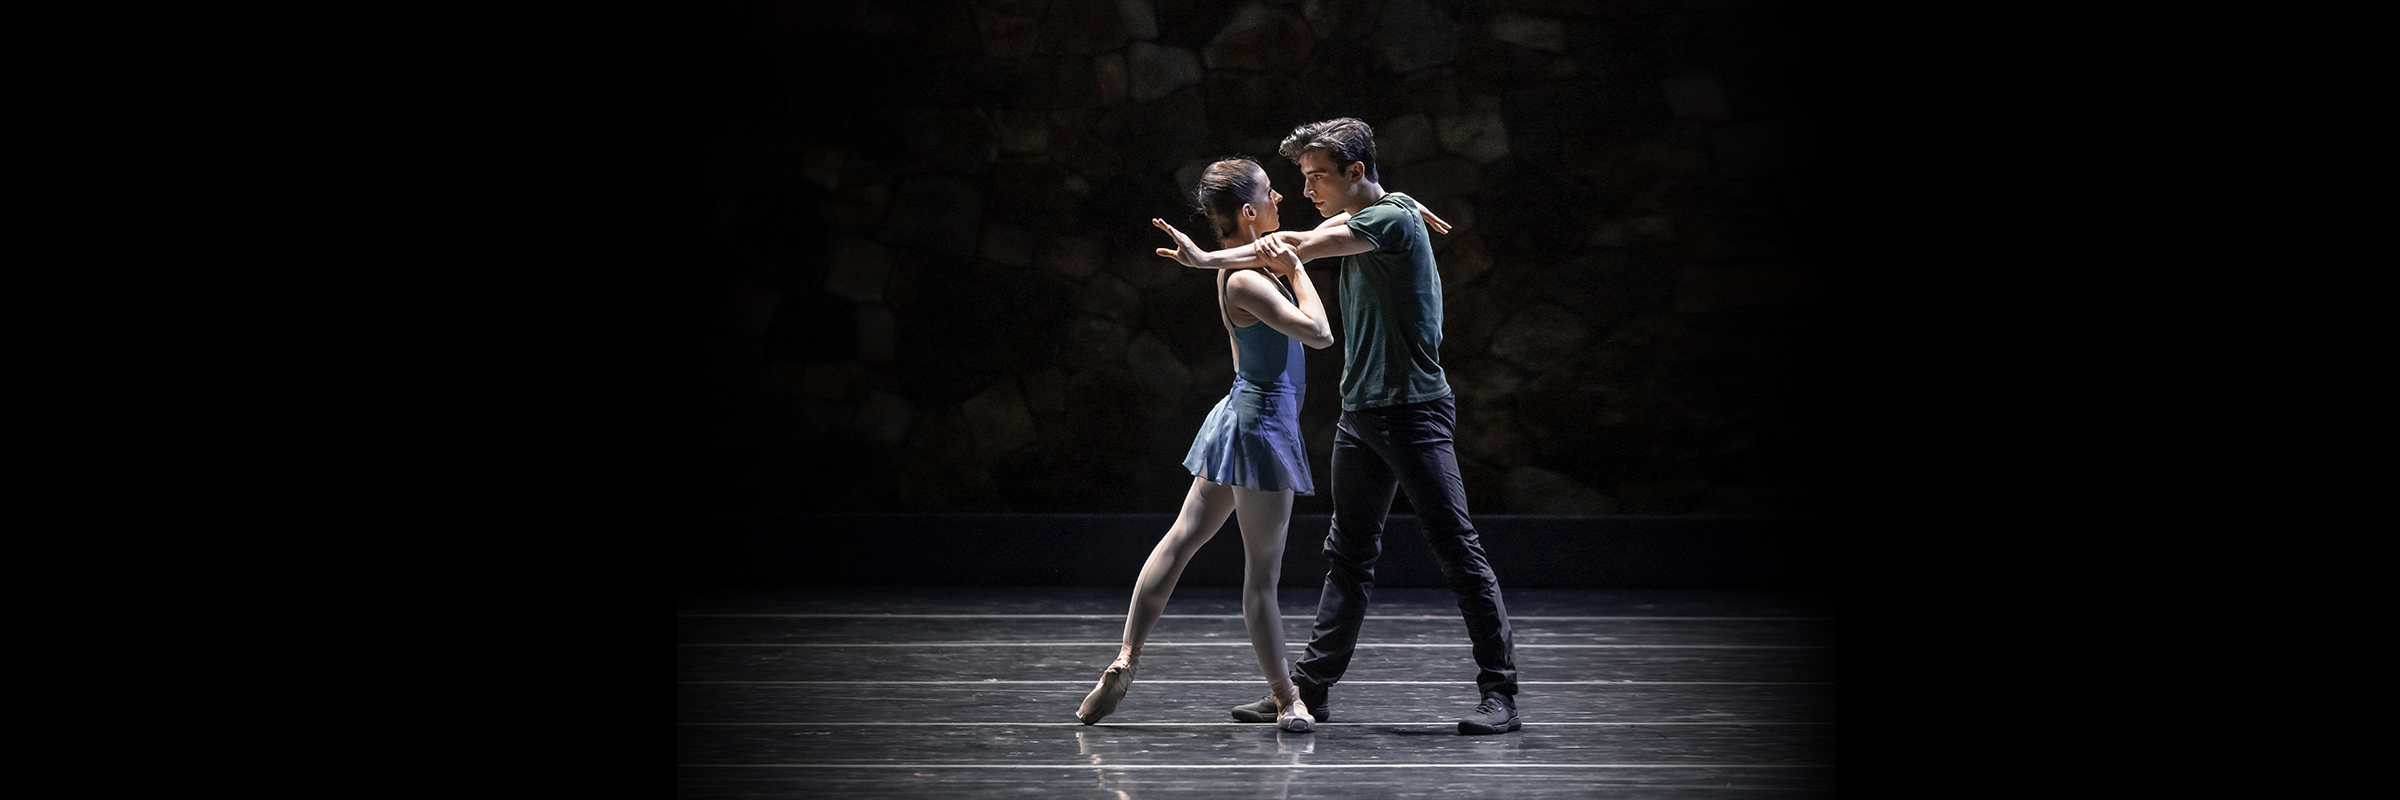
[1368,194]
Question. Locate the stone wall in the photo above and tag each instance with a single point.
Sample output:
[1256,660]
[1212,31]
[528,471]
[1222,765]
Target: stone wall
[916,269]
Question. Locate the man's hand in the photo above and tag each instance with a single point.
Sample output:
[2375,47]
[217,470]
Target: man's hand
[1433,222]
[1185,252]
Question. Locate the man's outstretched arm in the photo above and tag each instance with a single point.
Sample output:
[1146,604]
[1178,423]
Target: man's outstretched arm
[1432,222]
[1324,242]
[1188,254]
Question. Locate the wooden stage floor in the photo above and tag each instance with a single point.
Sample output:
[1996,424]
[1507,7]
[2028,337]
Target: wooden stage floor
[971,693]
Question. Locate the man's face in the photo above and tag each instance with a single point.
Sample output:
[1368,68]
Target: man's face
[1330,189]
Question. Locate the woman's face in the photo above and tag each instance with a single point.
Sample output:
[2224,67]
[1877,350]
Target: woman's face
[1269,215]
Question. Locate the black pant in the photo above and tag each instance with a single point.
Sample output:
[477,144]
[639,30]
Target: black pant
[1407,447]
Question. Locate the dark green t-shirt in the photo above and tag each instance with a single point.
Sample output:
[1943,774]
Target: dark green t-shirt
[1391,310]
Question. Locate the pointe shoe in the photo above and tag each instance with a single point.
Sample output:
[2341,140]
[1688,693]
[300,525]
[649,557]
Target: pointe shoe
[1105,696]
[1294,716]
[1264,710]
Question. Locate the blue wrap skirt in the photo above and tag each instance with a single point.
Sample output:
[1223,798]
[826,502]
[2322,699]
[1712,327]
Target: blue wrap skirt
[1252,440]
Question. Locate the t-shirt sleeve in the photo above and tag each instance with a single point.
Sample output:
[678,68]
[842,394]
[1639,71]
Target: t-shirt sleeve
[1384,225]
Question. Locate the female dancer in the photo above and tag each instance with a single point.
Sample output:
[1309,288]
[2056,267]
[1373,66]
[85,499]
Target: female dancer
[1249,457]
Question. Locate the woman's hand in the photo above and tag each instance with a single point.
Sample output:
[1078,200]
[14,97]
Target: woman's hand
[1185,252]
[1431,221]
[1279,255]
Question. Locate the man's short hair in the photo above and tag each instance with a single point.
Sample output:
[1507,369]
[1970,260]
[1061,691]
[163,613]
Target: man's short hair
[1344,141]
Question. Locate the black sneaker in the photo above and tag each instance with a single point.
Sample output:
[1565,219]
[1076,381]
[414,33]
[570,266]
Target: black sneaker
[1264,709]
[1496,714]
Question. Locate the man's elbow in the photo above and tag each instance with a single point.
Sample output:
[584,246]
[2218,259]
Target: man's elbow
[1318,342]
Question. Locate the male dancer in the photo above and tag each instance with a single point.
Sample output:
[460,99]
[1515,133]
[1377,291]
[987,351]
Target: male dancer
[1398,418]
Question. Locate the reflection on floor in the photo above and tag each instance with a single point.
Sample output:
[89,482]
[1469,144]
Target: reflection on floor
[972,693]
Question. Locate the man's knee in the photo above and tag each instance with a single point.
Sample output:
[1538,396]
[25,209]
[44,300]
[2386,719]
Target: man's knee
[1362,559]
[1458,548]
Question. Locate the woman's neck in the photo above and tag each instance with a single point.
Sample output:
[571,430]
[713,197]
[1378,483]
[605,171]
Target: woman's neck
[1242,234]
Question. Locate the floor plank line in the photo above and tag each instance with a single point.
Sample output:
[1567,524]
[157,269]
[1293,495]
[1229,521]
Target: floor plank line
[1309,614]
[874,765]
[1246,643]
[1258,725]
[996,682]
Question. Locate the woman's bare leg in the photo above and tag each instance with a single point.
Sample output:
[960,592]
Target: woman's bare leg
[1205,508]
[1264,517]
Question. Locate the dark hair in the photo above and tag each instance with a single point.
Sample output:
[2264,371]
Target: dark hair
[1344,140]
[1224,187]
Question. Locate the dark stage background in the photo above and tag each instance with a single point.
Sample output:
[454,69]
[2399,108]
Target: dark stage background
[913,269]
